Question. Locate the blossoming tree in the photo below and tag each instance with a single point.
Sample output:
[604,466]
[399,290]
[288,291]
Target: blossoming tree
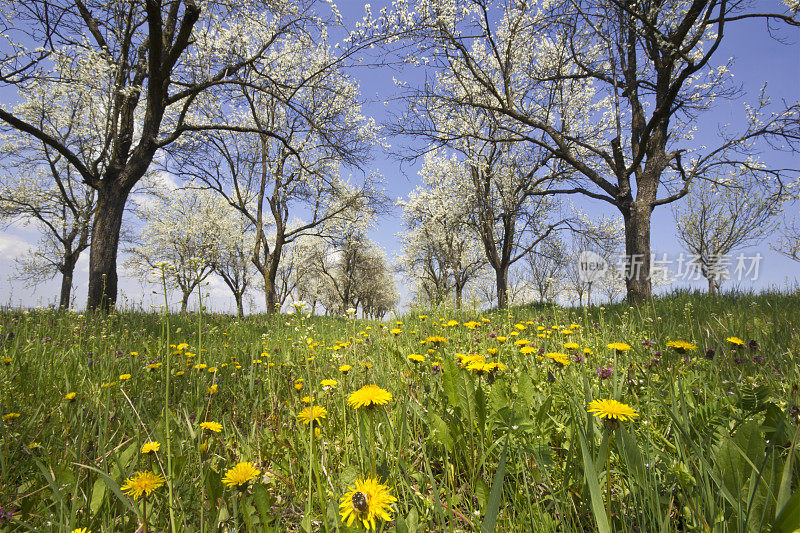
[613,90]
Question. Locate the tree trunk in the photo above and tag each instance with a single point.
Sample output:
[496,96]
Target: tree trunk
[103,251]
[67,272]
[185,302]
[501,275]
[459,291]
[239,306]
[712,287]
[637,250]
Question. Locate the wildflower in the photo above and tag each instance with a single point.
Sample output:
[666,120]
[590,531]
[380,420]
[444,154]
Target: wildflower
[396,331]
[560,358]
[123,377]
[306,399]
[681,346]
[605,373]
[735,341]
[368,500]
[142,483]
[153,366]
[618,346]
[80,530]
[369,396]
[435,340]
[416,358]
[588,351]
[328,383]
[212,390]
[612,409]
[571,346]
[150,447]
[753,345]
[70,396]
[10,416]
[472,324]
[525,350]
[492,351]
[521,342]
[211,426]
[240,475]
[7,360]
[500,338]
[312,414]
[109,384]
[200,366]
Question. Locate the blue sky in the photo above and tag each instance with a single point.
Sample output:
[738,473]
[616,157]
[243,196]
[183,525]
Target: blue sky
[758,58]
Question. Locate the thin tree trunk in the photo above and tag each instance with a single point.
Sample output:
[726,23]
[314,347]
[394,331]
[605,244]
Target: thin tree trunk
[239,306]
[501,274]
[459,291]
[103,251]
[66,282]
[712,287]
[637,249]
[185,302]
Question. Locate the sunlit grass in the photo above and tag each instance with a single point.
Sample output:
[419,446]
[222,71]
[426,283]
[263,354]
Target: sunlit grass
[486,424]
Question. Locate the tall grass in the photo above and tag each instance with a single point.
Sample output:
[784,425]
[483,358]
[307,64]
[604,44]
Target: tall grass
[714,447]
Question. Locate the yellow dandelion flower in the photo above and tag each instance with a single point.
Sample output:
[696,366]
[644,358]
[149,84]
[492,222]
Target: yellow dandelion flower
[70,396]
[240,474]
[369,396]
[123,377]
[521,342]
[560,358]
[681,346]
[525,350]
[501,338]
[612,409]
[416,358]
[80,530]
[367,501]
[618,346]
[328,383]
[10,416]
[492,351]
[142,483]
[396,331]
[571,346]
[736,341]
[211,426]
[151,447]
[313,414]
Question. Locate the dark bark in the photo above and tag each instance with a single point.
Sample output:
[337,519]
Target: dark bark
[105,242]
[501,275]
[67,271]
[637,249]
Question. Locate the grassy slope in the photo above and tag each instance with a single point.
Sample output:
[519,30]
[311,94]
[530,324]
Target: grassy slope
[710,448]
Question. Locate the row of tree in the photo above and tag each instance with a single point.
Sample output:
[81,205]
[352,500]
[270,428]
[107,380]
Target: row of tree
[527,103]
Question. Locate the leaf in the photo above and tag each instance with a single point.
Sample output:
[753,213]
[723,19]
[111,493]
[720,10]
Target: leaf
[496,494]
[441,431]
[594,487]
[788,520]
[482,493]
[449,382]
[786,478]
[263,502]
[98,495]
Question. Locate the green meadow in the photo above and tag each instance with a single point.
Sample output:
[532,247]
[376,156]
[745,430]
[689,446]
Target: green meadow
[488,427]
